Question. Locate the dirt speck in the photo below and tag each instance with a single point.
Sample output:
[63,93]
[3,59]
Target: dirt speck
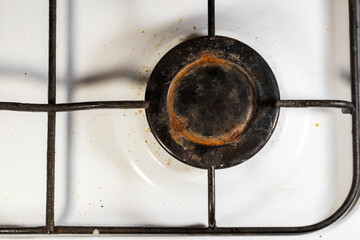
[256,38]
[180,20]
[194,27]
[25,73]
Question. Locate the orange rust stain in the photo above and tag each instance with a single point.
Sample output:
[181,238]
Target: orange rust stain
[179,124]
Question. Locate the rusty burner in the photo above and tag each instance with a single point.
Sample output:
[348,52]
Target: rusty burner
[212,102]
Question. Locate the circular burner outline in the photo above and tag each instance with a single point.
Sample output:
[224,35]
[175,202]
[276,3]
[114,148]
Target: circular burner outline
[261,125]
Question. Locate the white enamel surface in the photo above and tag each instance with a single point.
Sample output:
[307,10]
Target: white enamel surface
[109,168]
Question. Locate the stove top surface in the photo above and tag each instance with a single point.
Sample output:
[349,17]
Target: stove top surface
[110,169]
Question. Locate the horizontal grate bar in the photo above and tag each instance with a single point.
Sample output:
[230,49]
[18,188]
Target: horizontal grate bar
[185,230]
[67,107]
[345,106]
[22,230]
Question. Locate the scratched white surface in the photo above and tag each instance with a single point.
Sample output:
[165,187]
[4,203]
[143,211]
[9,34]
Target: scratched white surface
[109,168]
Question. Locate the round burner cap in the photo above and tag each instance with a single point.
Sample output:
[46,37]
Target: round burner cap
[212,102]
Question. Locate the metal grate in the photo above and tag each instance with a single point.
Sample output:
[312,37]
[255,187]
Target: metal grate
[52,108]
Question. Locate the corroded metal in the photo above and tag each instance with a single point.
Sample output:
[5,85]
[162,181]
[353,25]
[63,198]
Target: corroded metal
[212,102]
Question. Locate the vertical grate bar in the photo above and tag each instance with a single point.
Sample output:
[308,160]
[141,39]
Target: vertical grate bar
[354,63]
[211,19]
[50,189]
[211,197]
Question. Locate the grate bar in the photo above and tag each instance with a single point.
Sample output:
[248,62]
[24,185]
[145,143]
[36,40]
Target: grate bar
[22,230]
[211,197]
[211,19]
[67,107]
[345,106]
[50,188]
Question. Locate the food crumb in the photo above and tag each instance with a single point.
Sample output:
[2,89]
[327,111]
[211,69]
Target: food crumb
[145,141]
[142,32]
[96,232]
[169,162]
[194,27]
[317,125]
[99,187]
[256,38]
[104,45]
[327,29]
[180,20]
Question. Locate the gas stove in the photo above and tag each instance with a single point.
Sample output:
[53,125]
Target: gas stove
[179,117]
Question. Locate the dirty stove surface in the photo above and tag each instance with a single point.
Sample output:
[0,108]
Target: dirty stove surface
[110,170]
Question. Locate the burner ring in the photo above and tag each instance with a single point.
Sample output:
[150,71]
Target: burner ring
[212,102]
